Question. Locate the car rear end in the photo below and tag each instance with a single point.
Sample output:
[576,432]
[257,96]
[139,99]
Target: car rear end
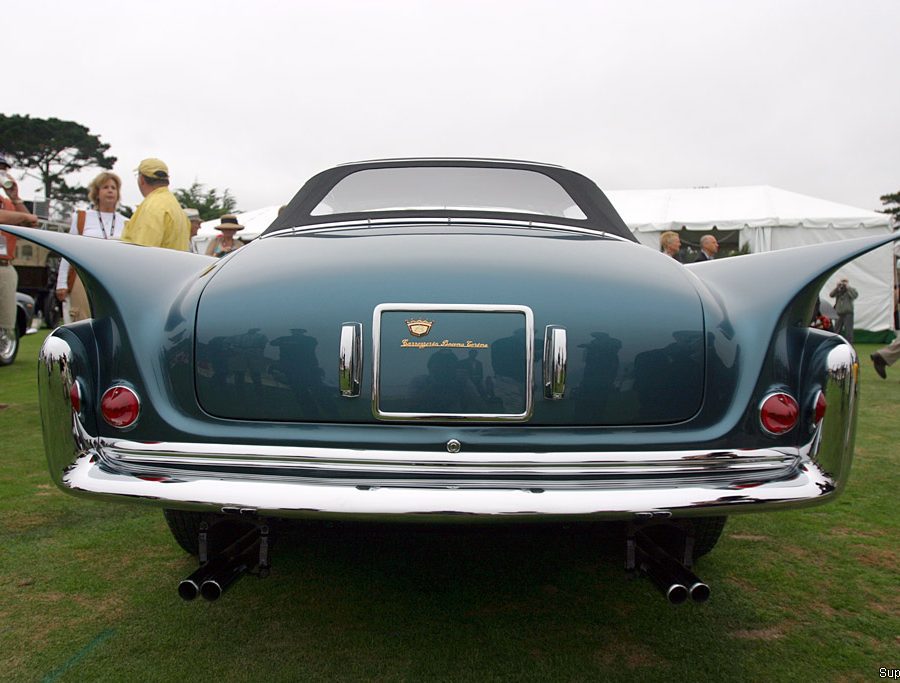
[412,371]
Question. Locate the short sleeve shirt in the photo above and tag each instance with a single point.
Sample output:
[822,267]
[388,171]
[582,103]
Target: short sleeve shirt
[159,222]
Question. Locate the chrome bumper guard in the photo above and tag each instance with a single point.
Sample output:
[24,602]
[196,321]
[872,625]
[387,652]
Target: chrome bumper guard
[344,483]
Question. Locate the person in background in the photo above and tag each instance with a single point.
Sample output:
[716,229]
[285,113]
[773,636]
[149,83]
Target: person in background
[843,295]
[159,221]
[101,222]
[709,247]
[12,206]
[819,320]
[670,244]
[885,356]
[12,212]
[225,243]
[897,303]
[194,217]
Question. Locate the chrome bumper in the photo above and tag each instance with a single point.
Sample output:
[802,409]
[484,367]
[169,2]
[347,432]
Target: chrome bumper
[335,482]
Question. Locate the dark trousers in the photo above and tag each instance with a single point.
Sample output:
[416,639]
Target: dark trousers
[844,326]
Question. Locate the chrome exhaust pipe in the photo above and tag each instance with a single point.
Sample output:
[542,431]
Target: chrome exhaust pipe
[220,581]
[189,588]
[696,589]
[675,592]
[699,591]
[215,576]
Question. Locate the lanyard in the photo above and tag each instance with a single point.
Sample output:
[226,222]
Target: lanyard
[112,227]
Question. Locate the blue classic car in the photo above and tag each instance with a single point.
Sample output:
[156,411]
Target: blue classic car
[449,339]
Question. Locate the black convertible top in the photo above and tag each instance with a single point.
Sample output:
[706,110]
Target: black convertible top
[599,213]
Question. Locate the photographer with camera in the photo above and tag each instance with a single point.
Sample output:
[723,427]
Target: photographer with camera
[843,295]
[12,207]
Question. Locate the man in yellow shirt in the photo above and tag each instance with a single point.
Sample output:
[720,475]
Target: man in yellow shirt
[159,221]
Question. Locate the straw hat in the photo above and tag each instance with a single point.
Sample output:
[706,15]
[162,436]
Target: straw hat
[229,222]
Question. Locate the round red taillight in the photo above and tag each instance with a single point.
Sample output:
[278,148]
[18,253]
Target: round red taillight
[778,413]
[75,396]
[120,406]
[819,410]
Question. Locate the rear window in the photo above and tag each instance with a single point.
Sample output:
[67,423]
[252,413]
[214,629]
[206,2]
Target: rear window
[449,188]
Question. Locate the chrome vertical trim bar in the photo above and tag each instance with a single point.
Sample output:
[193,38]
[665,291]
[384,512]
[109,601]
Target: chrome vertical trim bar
[64,438]
[832,447]
[555,350]
[351,360]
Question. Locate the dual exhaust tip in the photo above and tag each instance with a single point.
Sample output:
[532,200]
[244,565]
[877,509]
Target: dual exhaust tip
[671,577]
[678,594]
[213,578]
[210,590]
[189,590]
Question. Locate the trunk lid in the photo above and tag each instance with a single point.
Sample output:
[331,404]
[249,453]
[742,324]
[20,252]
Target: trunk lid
[269,328]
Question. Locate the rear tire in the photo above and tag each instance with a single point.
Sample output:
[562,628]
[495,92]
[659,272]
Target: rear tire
[672,537]
[707,532]
[221,531]
[185,528]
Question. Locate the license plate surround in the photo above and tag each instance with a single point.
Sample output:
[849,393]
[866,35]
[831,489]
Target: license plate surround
[412,344]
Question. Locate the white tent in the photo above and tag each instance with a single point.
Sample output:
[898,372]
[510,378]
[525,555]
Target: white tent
[254,223]
[770,218]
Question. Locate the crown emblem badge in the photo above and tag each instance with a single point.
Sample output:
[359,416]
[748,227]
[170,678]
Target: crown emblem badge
[419,328]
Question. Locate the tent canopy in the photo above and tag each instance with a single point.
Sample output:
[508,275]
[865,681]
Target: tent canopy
[735,208]
[769,218]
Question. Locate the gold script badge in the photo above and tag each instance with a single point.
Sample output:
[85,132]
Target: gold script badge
[446,344]
[419,328]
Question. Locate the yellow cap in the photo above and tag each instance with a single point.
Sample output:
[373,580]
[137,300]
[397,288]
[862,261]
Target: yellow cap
[153,168]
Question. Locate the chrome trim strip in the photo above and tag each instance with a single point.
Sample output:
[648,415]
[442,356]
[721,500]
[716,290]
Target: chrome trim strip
[454,417]
[350,359]
[339,226]
[207,459]
[687,459]
[555,350]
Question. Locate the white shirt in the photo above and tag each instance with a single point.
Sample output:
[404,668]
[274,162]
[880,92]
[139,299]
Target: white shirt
[96,224]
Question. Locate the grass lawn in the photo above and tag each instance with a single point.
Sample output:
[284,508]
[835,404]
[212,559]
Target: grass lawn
[87,590]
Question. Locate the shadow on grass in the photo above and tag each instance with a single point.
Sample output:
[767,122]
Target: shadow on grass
[439,561]
[410,602]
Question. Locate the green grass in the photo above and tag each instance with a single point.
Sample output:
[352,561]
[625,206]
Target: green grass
[87,590]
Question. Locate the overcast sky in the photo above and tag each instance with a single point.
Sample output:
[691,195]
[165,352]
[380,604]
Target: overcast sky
[257,96]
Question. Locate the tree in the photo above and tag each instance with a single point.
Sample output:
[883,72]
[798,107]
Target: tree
[892,199]
[54,148]
[208,202]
